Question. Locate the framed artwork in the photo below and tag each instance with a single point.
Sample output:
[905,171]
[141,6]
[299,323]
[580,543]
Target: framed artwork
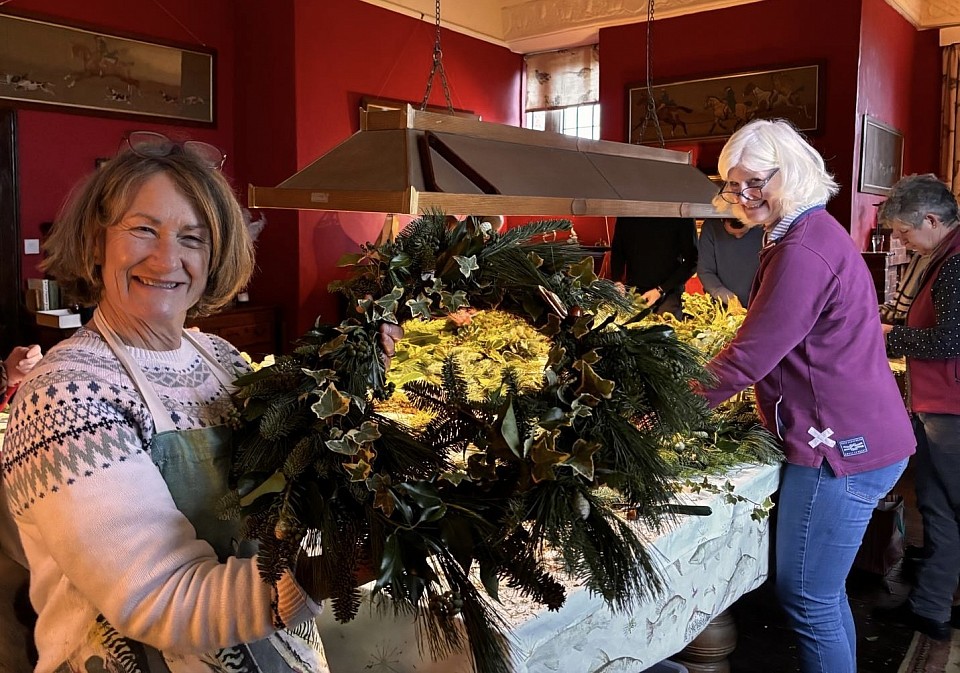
[48,64]
[715,107]
[881,157]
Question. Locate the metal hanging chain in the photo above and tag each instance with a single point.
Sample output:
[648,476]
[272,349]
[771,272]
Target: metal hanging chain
[651,102]
[437,66]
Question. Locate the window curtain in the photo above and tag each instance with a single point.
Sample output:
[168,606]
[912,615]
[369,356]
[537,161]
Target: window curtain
[950,97]
[559,79]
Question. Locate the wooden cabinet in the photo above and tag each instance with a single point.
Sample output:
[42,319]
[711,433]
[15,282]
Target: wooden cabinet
[252,329]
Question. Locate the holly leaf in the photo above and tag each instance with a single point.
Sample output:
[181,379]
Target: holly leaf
[331,403]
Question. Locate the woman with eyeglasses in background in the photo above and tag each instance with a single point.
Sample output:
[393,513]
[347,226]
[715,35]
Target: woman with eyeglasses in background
[118,450]
[811,344]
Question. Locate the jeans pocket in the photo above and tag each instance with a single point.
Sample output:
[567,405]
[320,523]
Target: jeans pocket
[872,485]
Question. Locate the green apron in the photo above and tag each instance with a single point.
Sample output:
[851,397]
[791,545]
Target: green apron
[195,465]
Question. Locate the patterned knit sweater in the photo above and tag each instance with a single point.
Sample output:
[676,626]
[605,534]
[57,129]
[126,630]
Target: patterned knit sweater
[99,527]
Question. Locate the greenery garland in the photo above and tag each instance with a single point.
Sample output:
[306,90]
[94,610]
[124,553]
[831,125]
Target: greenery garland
[476,495]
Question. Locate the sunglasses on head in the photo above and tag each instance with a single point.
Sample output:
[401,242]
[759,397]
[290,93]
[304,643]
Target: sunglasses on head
[149,144]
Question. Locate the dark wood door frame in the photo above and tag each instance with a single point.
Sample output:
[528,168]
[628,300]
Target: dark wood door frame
[14,328]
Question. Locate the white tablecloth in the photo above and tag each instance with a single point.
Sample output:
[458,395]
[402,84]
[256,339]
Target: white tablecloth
[707,562]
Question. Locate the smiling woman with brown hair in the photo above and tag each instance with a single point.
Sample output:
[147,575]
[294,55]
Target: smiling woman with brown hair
[119,448]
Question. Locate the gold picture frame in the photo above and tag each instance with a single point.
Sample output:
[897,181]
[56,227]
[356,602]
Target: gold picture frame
[44,64]
[881,156]
[715,107]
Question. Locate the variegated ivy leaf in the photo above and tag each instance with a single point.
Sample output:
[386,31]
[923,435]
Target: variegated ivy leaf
[332,345]
[467,264]
[582,326]
[552,328]
[455,477]
[435,286]
[344,446]
[367,432]
[383,498]
[420,307]
[536,259]
[388,303]
[590,357]
[544,457]
[554,418]
[358,471]
[364,306]
[556,355]
[583,271]
[331,403]
[454,302]
[321,376]
[592,384]
[581,460]
[582,404]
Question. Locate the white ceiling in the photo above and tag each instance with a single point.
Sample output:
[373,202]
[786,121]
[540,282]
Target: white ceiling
[527,26]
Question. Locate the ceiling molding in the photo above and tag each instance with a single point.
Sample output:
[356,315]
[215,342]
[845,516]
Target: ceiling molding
[528,26]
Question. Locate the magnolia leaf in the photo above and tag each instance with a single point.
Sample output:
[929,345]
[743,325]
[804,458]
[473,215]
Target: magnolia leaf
[490,577]
[420,307]
[544,457]
[321,376]
[581,460]
[400,260]
[391,562]
[331,403]
[554,418]
[349,259]
[467,264]
[457,535]
[592,384]
[509,429]
[275,483]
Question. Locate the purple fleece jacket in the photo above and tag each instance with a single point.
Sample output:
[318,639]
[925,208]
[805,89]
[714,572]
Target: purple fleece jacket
[812,344]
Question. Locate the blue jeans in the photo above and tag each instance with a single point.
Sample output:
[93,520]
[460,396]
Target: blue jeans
[821,520]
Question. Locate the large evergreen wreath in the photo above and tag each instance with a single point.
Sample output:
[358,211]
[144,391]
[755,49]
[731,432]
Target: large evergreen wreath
[477,495]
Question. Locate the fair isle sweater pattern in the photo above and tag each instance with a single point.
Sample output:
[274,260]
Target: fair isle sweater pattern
[79,412]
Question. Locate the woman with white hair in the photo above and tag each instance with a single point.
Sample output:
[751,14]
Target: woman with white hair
[812,345]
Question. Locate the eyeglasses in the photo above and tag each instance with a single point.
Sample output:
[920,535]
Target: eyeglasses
[149,144]
[749,194]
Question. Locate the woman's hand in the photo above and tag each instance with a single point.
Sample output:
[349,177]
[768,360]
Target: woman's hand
[19,363]
[390,334]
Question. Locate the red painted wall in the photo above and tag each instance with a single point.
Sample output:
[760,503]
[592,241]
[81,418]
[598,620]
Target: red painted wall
[56,149]
[347,49]
[756,36]
[899,84]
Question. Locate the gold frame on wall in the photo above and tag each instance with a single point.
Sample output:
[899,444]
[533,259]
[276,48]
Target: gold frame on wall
[46,64]
[881,156]
[715,107]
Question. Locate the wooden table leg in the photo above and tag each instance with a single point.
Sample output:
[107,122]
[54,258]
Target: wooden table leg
[707,653]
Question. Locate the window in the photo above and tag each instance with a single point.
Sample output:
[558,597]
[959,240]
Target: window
[582,121]
[562,93]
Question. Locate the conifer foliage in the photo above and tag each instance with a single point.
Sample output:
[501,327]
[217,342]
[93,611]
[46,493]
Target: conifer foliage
[447,512]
